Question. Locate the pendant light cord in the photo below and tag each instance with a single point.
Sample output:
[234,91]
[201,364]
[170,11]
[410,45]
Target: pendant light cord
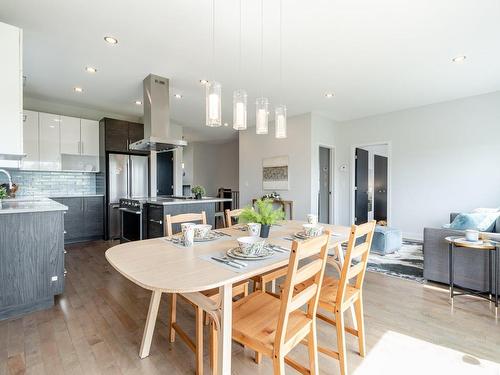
[262,46]
[281,51]
[213,37]
[239,61]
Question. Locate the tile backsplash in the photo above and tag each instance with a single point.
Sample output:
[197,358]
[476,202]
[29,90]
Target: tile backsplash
[42,183]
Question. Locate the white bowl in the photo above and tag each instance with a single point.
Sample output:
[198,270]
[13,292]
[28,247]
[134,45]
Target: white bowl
[251,245]
[312,230]
[201,230]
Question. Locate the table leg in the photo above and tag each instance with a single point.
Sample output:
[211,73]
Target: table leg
[147,337]
[496,281]
[450,250]
[225,331]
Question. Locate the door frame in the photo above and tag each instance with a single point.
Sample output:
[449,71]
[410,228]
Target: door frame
[352,171]
[333,197]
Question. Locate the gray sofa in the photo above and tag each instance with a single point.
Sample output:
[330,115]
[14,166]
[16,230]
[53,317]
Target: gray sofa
[471,267]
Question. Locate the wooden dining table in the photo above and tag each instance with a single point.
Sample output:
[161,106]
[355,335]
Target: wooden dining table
[165,267]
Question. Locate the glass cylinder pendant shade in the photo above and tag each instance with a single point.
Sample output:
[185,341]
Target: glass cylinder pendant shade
[213,104]
[240,110]
[280,121]
[261,116]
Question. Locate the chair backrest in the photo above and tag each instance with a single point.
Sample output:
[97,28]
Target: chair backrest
[356,250]
[315,250]
[229,216]
[182,218]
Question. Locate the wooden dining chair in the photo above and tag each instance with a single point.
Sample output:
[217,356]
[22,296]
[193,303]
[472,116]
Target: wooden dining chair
[238,290]
[230,214]
[274,326]
[339,295]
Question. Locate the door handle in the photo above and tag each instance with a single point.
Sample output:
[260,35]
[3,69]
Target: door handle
[156,221]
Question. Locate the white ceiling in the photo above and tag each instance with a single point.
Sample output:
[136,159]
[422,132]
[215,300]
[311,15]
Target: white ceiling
[377,56]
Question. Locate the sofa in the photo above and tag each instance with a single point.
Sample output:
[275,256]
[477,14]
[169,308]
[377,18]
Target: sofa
[471,267]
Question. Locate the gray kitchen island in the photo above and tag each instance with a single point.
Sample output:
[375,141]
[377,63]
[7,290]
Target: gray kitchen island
[31,255]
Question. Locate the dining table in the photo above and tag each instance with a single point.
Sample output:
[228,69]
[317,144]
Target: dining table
[163,265]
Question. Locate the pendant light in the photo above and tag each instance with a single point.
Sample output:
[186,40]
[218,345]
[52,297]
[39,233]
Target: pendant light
[280,111]
[262,103]
[240,97]
[213,90]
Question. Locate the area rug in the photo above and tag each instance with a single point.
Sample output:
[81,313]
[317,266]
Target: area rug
[407,262]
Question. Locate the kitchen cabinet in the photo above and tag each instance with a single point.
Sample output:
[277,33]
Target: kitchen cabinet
[120,134]
[50,145]
[11,94]
[30,141]
[89,133]
[84,220]
[70,135]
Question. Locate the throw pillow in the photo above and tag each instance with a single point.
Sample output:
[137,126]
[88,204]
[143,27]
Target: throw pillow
[483,222]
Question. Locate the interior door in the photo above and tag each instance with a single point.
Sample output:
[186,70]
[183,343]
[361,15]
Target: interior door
[361,187]
[380,188]
[324,185]
[165,173]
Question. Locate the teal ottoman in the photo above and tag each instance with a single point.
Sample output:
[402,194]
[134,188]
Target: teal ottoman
[386,240]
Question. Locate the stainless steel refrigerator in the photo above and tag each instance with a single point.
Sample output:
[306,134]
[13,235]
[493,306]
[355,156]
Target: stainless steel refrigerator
[128,177]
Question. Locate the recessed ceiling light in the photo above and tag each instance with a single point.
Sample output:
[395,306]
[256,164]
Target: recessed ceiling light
[203,81]
[90,69]
[178,96]
[138,102]
[111,40]
[78,89]
[329,95]
[459,59]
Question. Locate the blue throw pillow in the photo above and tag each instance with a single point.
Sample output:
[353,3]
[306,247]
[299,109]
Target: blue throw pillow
[483,222]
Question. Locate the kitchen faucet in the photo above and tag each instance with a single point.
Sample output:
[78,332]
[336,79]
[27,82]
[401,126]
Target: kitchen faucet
[8,176]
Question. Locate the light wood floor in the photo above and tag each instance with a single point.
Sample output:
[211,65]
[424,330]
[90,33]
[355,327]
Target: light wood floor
[96,327]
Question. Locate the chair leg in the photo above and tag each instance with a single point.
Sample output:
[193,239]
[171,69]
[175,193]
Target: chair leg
[358,307]
[312,344]
[279,365]
[339,319]
[213,347]
[199,341]
[173,316]
[258,357]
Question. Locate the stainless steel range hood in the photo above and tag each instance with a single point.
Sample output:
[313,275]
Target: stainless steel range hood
[157,135]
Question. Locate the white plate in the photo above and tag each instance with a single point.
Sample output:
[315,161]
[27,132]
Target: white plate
[237,254]
[211,236]
[301,235]
[467,242]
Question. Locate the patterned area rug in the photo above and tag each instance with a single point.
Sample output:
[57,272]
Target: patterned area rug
[407,263]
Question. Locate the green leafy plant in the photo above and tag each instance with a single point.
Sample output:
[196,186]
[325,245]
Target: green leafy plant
[198,190]
[3,193]
[263,213]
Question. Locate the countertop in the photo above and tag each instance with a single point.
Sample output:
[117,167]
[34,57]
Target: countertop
[26,205]
[169,201]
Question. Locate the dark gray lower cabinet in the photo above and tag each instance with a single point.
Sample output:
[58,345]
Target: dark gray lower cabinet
[84,220]
[31,261]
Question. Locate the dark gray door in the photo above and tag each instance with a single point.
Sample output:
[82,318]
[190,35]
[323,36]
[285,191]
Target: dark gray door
[380,188]
[324,185]
[361,187]
[165,173]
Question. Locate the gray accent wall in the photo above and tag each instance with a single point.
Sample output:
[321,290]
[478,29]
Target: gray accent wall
[44,183]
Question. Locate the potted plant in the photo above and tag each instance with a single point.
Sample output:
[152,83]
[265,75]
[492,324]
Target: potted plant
[264,214]
[198,191]
[3,194]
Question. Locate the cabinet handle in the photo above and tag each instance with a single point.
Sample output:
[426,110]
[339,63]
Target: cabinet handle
[156,221]
[82,152]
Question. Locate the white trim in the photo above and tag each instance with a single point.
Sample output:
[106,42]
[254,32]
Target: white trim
[352,172]
[333,168]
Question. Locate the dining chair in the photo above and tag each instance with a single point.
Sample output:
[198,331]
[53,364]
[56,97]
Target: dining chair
[230,214]
[339,295]
[274,326]
[238,290]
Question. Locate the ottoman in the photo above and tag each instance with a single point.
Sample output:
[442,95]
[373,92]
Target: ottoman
[386,240]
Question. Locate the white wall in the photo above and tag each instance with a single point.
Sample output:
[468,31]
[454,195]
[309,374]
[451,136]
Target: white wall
[444,157]
[253,148]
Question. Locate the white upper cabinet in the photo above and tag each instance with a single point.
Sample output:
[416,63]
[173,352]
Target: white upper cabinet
[30,141]
[11,94]
[50,150]
[89,137]
[70,135]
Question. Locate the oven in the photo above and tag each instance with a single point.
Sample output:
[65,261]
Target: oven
[131,220]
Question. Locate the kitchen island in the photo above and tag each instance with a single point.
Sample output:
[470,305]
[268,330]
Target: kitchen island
[31,255]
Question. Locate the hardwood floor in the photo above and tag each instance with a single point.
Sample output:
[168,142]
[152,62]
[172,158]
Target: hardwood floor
[96,328]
